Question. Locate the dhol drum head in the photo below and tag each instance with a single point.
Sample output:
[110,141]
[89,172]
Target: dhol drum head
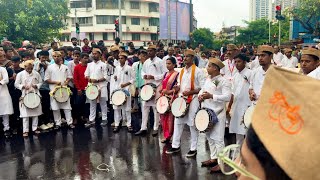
[92,92]
[31,100]
[61,95]
[248,116]
[163,105]
[118,97]
[202,120]
[179,107]
[147,92]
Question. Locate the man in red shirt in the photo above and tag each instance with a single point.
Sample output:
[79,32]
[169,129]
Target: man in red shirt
[80,83]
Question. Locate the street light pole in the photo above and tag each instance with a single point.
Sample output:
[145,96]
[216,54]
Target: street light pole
[279,33]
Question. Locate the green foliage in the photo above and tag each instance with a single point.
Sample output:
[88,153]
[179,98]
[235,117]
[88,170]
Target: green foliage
[35,20]
[257,32]
[308,14]
[204,36]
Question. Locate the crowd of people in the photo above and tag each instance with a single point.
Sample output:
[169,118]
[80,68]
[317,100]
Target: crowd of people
[37,84]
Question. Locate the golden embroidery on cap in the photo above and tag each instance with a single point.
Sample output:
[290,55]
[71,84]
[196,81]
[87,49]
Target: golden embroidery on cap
[287,116]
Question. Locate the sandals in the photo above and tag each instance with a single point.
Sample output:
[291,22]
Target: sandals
[26,134]
[36,132]
[130,129]
[116,129]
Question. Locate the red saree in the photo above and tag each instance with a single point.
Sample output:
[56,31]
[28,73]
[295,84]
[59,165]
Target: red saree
[169,80]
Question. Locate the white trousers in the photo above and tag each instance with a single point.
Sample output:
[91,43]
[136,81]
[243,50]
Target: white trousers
[57,116]
[93,109]
[177,133]
[145,117]
[25,123]
[215,147]
[5,122]
[125,114]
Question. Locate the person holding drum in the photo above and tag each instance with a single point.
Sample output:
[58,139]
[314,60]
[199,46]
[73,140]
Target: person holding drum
[29,82]
[152,72]
[6,107]
[310,62]
[168,95]
[214,95]
[96,73]
[229,69]
[265,54]
[123,77]
[190,81]
[240,100]
[58,76]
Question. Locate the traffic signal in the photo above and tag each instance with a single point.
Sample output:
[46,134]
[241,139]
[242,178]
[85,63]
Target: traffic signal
[278,14]
[158,30]
[116,25]
[77,28]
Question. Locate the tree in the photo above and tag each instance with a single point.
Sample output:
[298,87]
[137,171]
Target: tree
[35,20]
[203,36]
[307,13]
[257,32]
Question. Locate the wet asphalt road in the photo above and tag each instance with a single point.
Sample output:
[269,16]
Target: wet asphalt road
[75,154]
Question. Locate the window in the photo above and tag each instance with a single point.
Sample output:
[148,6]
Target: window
[83,21]
[105,19]
[135,21]
[154,37]
[153,7]
[135,37]
[108,4]
[154,22]
[65,37]
[81,4]
[105,36]
[134,5]
[91,36]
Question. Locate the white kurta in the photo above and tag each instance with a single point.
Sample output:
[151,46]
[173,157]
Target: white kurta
[220,88]
[26,79]
[58,73]
[185,85]
[156,68]
[71,66]
[277,58]
[257,80]
[241,101]
[6,107]
[98,70]
[254,64]
[124,75]
[289,63]
[315,73]
[229,69]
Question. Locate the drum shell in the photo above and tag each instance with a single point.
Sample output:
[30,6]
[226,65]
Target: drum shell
[183,113]
[35,96]
[168,108]
[61,100]
[88,88]
[213,119]
[127,94]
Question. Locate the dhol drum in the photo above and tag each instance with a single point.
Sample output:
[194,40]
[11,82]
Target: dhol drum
[62,94]
[163,105]
[179,107]
[205,119]
[148,91]
[31,100]
[119,97]
[92,91]
[248,116]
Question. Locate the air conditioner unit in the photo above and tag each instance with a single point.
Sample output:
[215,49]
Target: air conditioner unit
[142,28]
[147,29]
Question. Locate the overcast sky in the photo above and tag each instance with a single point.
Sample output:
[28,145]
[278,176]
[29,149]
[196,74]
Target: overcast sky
[212,13]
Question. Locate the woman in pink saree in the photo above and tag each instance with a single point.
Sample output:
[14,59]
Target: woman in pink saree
[169,80]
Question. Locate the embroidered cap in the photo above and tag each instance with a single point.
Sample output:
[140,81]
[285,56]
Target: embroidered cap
[151,46]
[311,51]
[123,54]
[287,124]
[231,47]
[114,48]
[265,48]
[189,52]
[216,62]
[28,62]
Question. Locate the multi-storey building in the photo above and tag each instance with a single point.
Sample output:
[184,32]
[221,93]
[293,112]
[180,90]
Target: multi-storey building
[260,9]
[140,20]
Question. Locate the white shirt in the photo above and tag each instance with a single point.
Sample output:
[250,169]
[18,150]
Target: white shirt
[315,73]
[57,73]
[6,107]
[185,84]
[229,69]
[257,80]
[155,68]
[254,64]
[203,63]
[71,66]
[277,58]
[289,63]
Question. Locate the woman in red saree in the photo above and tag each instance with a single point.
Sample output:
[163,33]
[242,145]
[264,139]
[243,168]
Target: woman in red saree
[169,80]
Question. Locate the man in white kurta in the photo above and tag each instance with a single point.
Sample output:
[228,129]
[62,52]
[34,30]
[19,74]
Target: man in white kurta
[58,74]
[214,95]
[6,107]
[29,81]
[265,54]
[184,89]
[96,73]
[277,56]
[289,61]
[240,98]
[310,62]
[153,71]
[229,69]
[124,77]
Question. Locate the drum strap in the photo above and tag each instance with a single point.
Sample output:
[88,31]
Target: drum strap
[193,70]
